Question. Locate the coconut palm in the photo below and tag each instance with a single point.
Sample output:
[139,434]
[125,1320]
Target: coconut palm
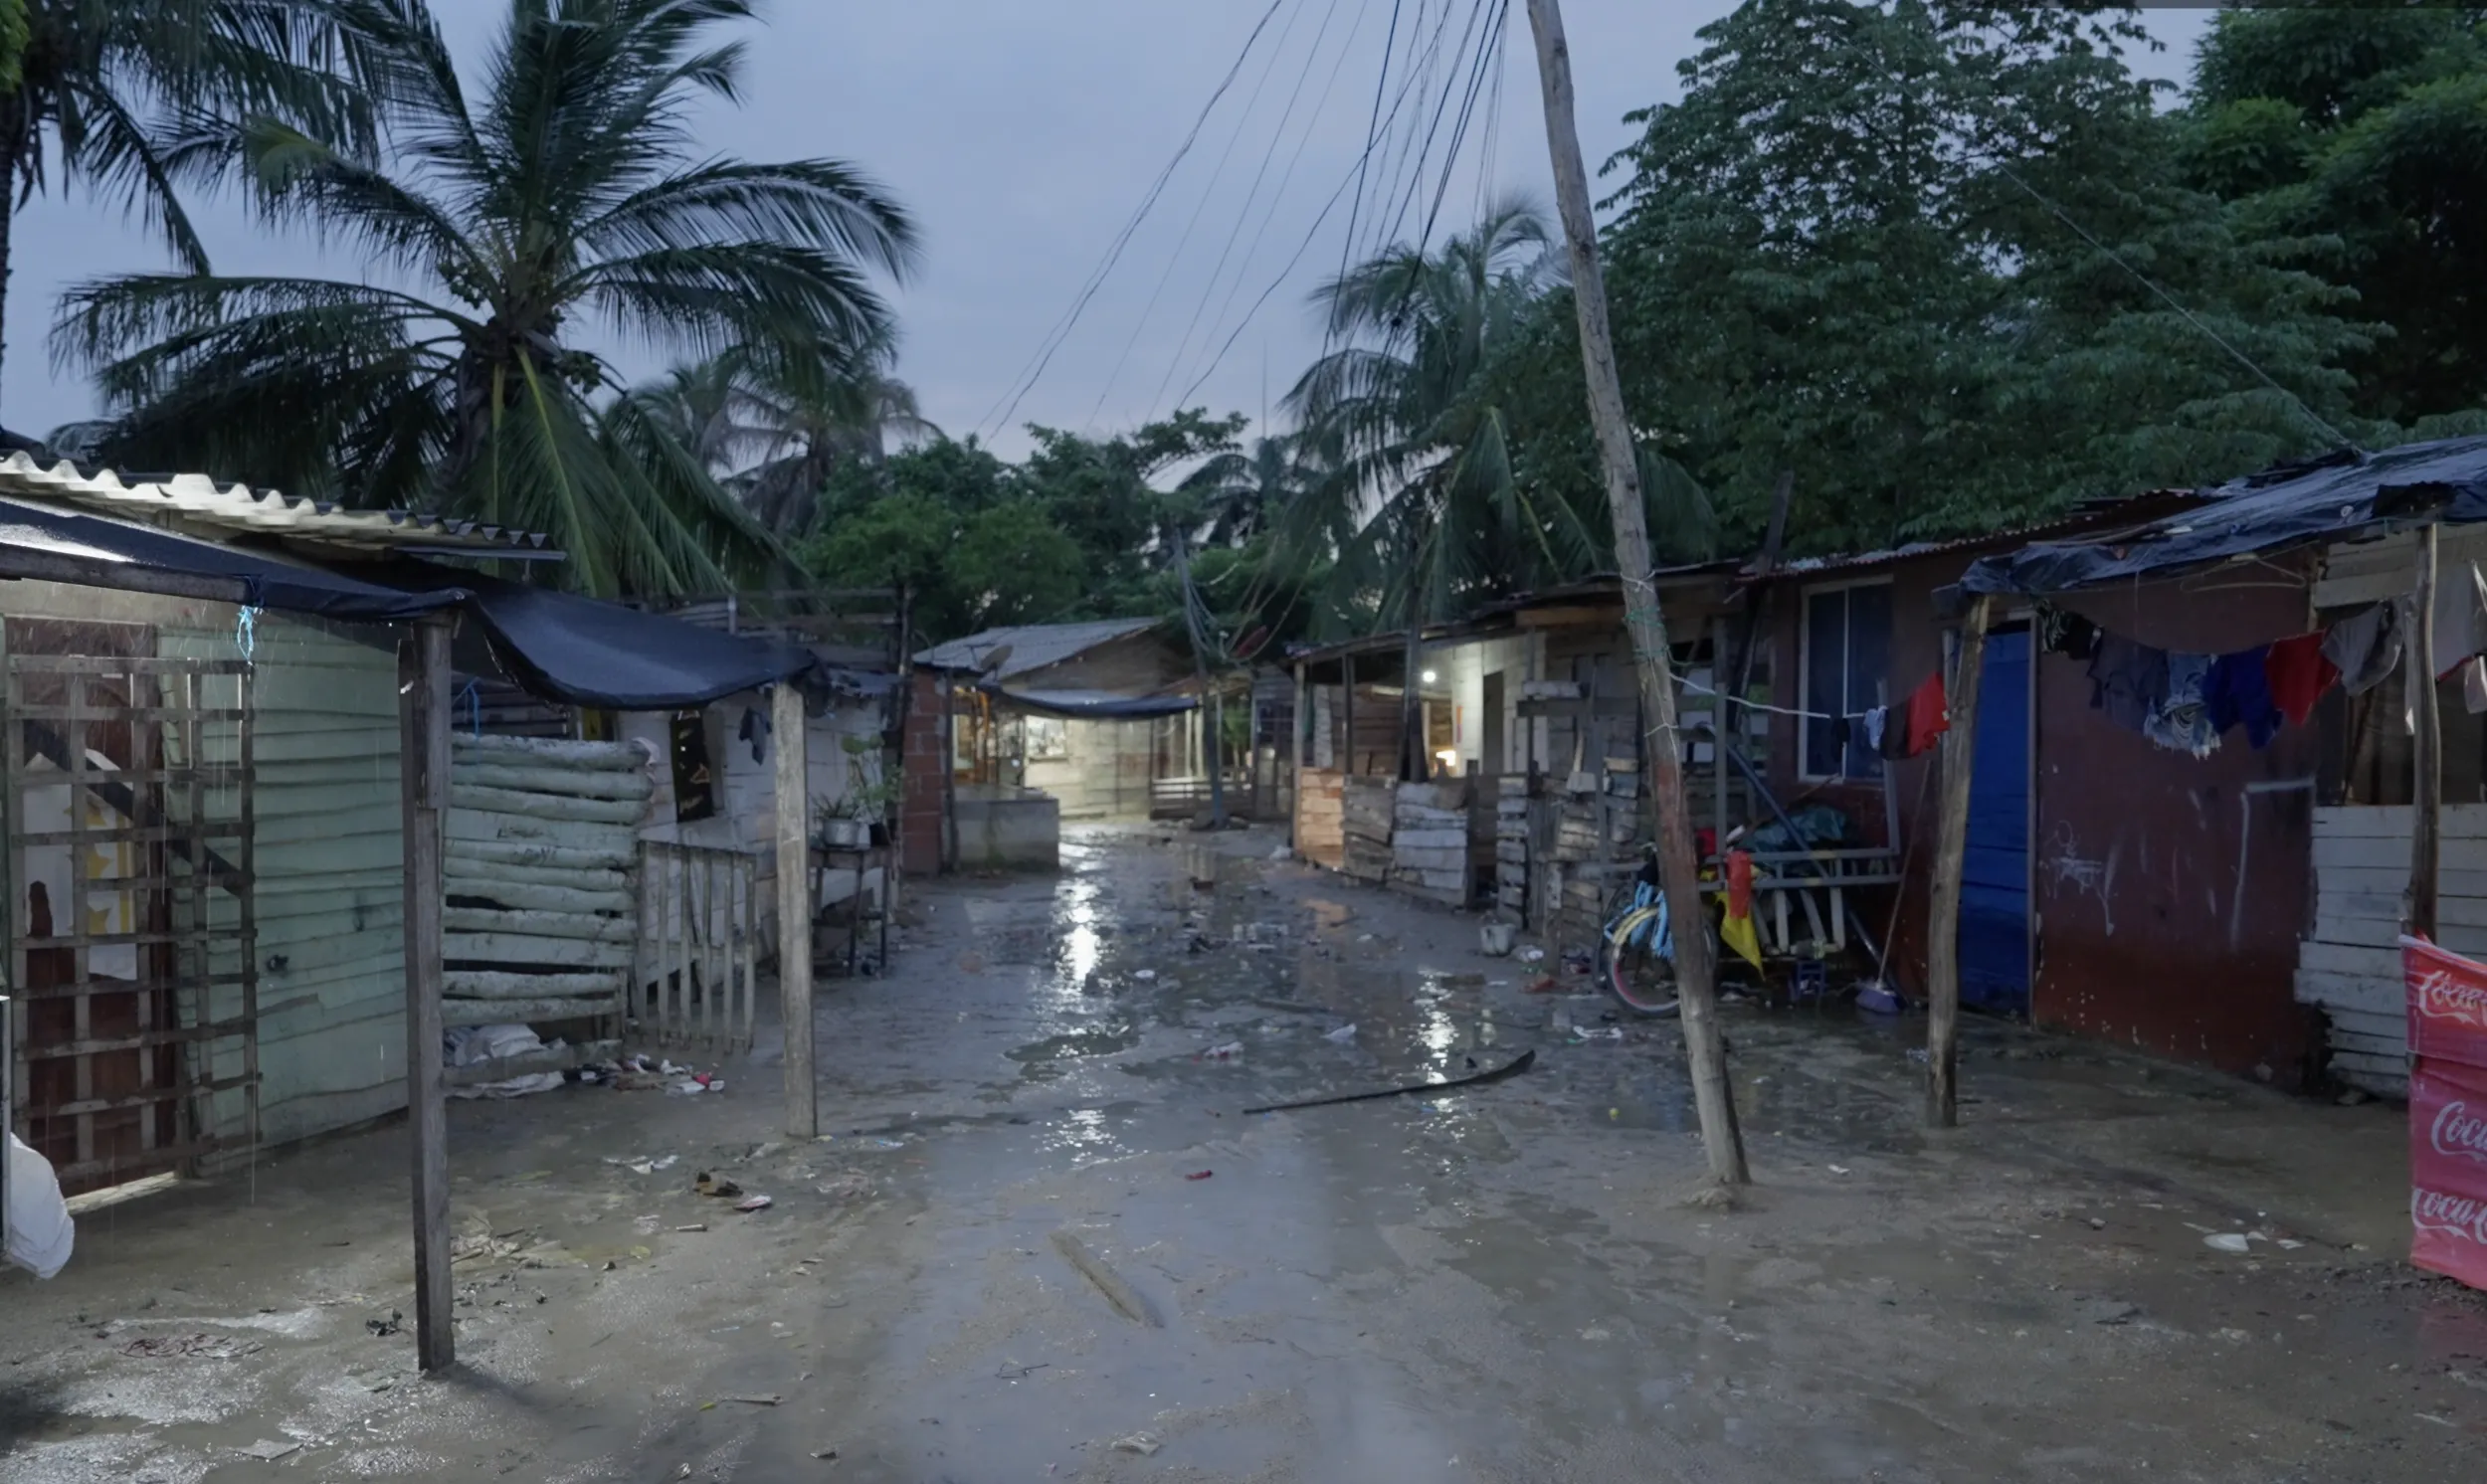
[567,194]
[1242,492]
[1413,420]
[776,438]
[96,90]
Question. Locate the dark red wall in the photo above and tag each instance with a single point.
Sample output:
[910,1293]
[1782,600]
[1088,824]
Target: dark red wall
[2169,891]
[2173,891]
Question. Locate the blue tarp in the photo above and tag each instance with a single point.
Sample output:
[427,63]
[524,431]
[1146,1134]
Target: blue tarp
[2336,497]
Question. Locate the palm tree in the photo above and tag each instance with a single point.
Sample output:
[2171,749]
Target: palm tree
[99,89]
[775,440]
[1413,419]
[1243,491]
[567,193]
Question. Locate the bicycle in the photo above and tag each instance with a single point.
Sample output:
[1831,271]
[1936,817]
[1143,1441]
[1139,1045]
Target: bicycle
[1637,947]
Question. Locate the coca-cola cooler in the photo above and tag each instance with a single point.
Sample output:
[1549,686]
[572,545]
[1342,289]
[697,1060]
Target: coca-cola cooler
[2447,1111]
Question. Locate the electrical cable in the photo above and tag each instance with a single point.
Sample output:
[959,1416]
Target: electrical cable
[1028,379]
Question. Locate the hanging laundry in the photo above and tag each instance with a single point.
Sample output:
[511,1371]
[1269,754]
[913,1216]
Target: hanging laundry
[1929,716]
[2237,693]
[2063,632]
[1874,720]
[1843,733]
[2299,673]
[2460,618]
[1737,929]
[2364,648]
[2126,680]
[1894,733]
[2182,721]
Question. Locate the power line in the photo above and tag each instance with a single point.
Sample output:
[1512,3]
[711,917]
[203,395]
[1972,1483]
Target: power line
[1390,47]
[1029,378]
[1415,177]
[1208,191]
[1183,347]
[1355,173]
[1489,47]
[2170,301]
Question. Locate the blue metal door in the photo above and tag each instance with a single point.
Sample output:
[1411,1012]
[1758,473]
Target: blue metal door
[1995,877]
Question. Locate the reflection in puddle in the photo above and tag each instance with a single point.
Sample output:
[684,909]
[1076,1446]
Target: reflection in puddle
[1082,1134]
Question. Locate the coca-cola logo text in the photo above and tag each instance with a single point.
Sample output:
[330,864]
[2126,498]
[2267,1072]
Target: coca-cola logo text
[2450,1215]
[2438,996]
[2460,1131]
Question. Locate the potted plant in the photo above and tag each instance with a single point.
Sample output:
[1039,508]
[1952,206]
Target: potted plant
[861,816]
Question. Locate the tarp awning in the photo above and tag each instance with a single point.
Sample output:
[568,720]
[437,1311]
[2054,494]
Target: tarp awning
[50,545]
[1091,705]
[585,653]
[2336,497]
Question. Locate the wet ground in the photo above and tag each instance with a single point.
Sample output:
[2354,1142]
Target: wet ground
[1044,1242]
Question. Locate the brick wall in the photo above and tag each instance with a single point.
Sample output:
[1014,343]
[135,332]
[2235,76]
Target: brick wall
[919,812]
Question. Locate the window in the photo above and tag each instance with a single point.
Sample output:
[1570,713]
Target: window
[1847,650]
[1048,740]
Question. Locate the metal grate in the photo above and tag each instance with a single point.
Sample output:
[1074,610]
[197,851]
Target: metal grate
[128,802]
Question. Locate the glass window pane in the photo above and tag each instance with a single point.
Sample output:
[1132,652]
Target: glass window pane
[1870,667]
[1825,663]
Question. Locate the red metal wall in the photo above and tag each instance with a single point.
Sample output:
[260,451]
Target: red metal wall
[2172,891]
[2169,891]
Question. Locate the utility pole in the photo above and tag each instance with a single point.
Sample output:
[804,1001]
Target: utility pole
[1705,1046]
[1212,743]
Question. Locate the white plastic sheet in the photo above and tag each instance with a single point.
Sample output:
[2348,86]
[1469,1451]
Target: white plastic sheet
[40,1231]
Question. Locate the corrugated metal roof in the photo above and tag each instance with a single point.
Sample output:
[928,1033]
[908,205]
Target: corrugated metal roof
[1033,646]
[197,505]
[2102,515]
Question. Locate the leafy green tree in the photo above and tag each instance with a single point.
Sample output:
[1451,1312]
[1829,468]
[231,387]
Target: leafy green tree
[569,190]
[1915,252]
[2353,140]
[104,92]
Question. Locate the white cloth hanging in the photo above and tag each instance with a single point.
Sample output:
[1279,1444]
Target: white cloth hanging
[40,1230]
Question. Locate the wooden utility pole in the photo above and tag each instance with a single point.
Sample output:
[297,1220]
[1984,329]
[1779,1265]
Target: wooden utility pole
[1959,761]
[1704,1045]
[2426,754]
[794,906]
[423,769]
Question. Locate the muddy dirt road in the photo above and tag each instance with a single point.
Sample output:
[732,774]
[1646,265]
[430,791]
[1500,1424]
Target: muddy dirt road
[1043,1243]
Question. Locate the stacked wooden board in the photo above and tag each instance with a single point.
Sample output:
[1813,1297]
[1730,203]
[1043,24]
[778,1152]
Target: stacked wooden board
[2349,964]
[541,922]
[1366,815]
[1430,842]
[1319,826]
[1511,848]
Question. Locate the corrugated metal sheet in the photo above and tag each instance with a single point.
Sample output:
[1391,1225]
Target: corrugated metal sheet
[1033,646]
[204,507]
[329,895]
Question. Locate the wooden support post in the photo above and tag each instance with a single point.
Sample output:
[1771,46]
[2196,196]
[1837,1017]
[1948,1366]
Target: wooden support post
[2426,753]
[1959,761]
[1303,752]
[794,907]
[423,716]
[1347,709]
[1705,1045]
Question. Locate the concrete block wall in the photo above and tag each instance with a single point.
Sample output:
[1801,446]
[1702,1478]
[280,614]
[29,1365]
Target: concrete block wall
[919,813]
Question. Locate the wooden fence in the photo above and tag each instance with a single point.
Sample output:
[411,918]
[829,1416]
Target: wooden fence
[697,980]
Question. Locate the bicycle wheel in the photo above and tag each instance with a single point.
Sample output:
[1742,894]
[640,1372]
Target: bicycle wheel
[1631,965]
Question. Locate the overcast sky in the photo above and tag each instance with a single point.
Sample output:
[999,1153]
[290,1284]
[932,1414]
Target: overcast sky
[1023,137]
